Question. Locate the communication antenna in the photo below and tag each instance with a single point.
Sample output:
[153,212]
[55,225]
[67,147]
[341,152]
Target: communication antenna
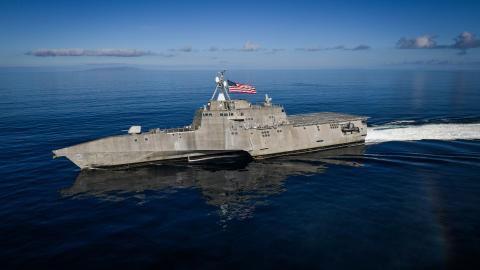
[221,87]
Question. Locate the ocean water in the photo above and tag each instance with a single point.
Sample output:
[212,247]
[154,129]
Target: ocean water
[408,199]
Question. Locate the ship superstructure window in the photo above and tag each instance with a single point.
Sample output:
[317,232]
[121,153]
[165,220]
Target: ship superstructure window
[332,126]
[265,133]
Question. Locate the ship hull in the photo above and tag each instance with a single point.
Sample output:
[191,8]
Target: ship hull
[129,159]
[302,133]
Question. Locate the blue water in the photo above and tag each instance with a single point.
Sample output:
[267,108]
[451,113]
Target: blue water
[403,202]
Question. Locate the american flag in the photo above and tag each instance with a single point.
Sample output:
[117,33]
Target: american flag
[234,87]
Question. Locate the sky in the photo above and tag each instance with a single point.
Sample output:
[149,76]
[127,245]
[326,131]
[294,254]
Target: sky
[240,34]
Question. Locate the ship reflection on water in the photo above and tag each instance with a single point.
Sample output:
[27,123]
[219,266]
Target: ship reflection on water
[235,190]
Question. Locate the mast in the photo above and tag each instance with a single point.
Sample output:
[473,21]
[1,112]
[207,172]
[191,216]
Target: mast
[221,87]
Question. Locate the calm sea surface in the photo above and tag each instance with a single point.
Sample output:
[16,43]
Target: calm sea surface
[409,199]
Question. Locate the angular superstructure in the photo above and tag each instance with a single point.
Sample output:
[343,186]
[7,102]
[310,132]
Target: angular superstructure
[224,128]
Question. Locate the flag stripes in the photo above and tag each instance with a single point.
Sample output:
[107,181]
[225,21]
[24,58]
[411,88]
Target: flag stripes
[234,87]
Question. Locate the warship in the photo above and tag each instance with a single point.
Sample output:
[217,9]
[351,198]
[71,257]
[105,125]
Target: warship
[223,129]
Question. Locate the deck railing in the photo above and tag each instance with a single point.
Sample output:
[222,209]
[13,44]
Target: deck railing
[171,130]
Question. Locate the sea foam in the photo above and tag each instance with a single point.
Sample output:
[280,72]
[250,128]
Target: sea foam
[446,132]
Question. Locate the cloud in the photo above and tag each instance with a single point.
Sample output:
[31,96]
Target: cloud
[361,47]
[466,40]
[274,50]
[428,62]
[250,47]
[167,55]
[87,52]
[438,62]
[421,42]
[183,49]
[463,41]
[310,49]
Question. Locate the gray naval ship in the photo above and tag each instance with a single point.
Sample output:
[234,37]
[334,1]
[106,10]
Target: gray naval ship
[224,128]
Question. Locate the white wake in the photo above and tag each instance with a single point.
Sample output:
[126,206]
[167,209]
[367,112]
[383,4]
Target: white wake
[446,132]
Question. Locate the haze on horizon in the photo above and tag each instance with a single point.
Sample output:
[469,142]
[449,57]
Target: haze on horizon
[246,34]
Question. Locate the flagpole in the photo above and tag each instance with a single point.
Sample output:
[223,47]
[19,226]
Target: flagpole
[226,92]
